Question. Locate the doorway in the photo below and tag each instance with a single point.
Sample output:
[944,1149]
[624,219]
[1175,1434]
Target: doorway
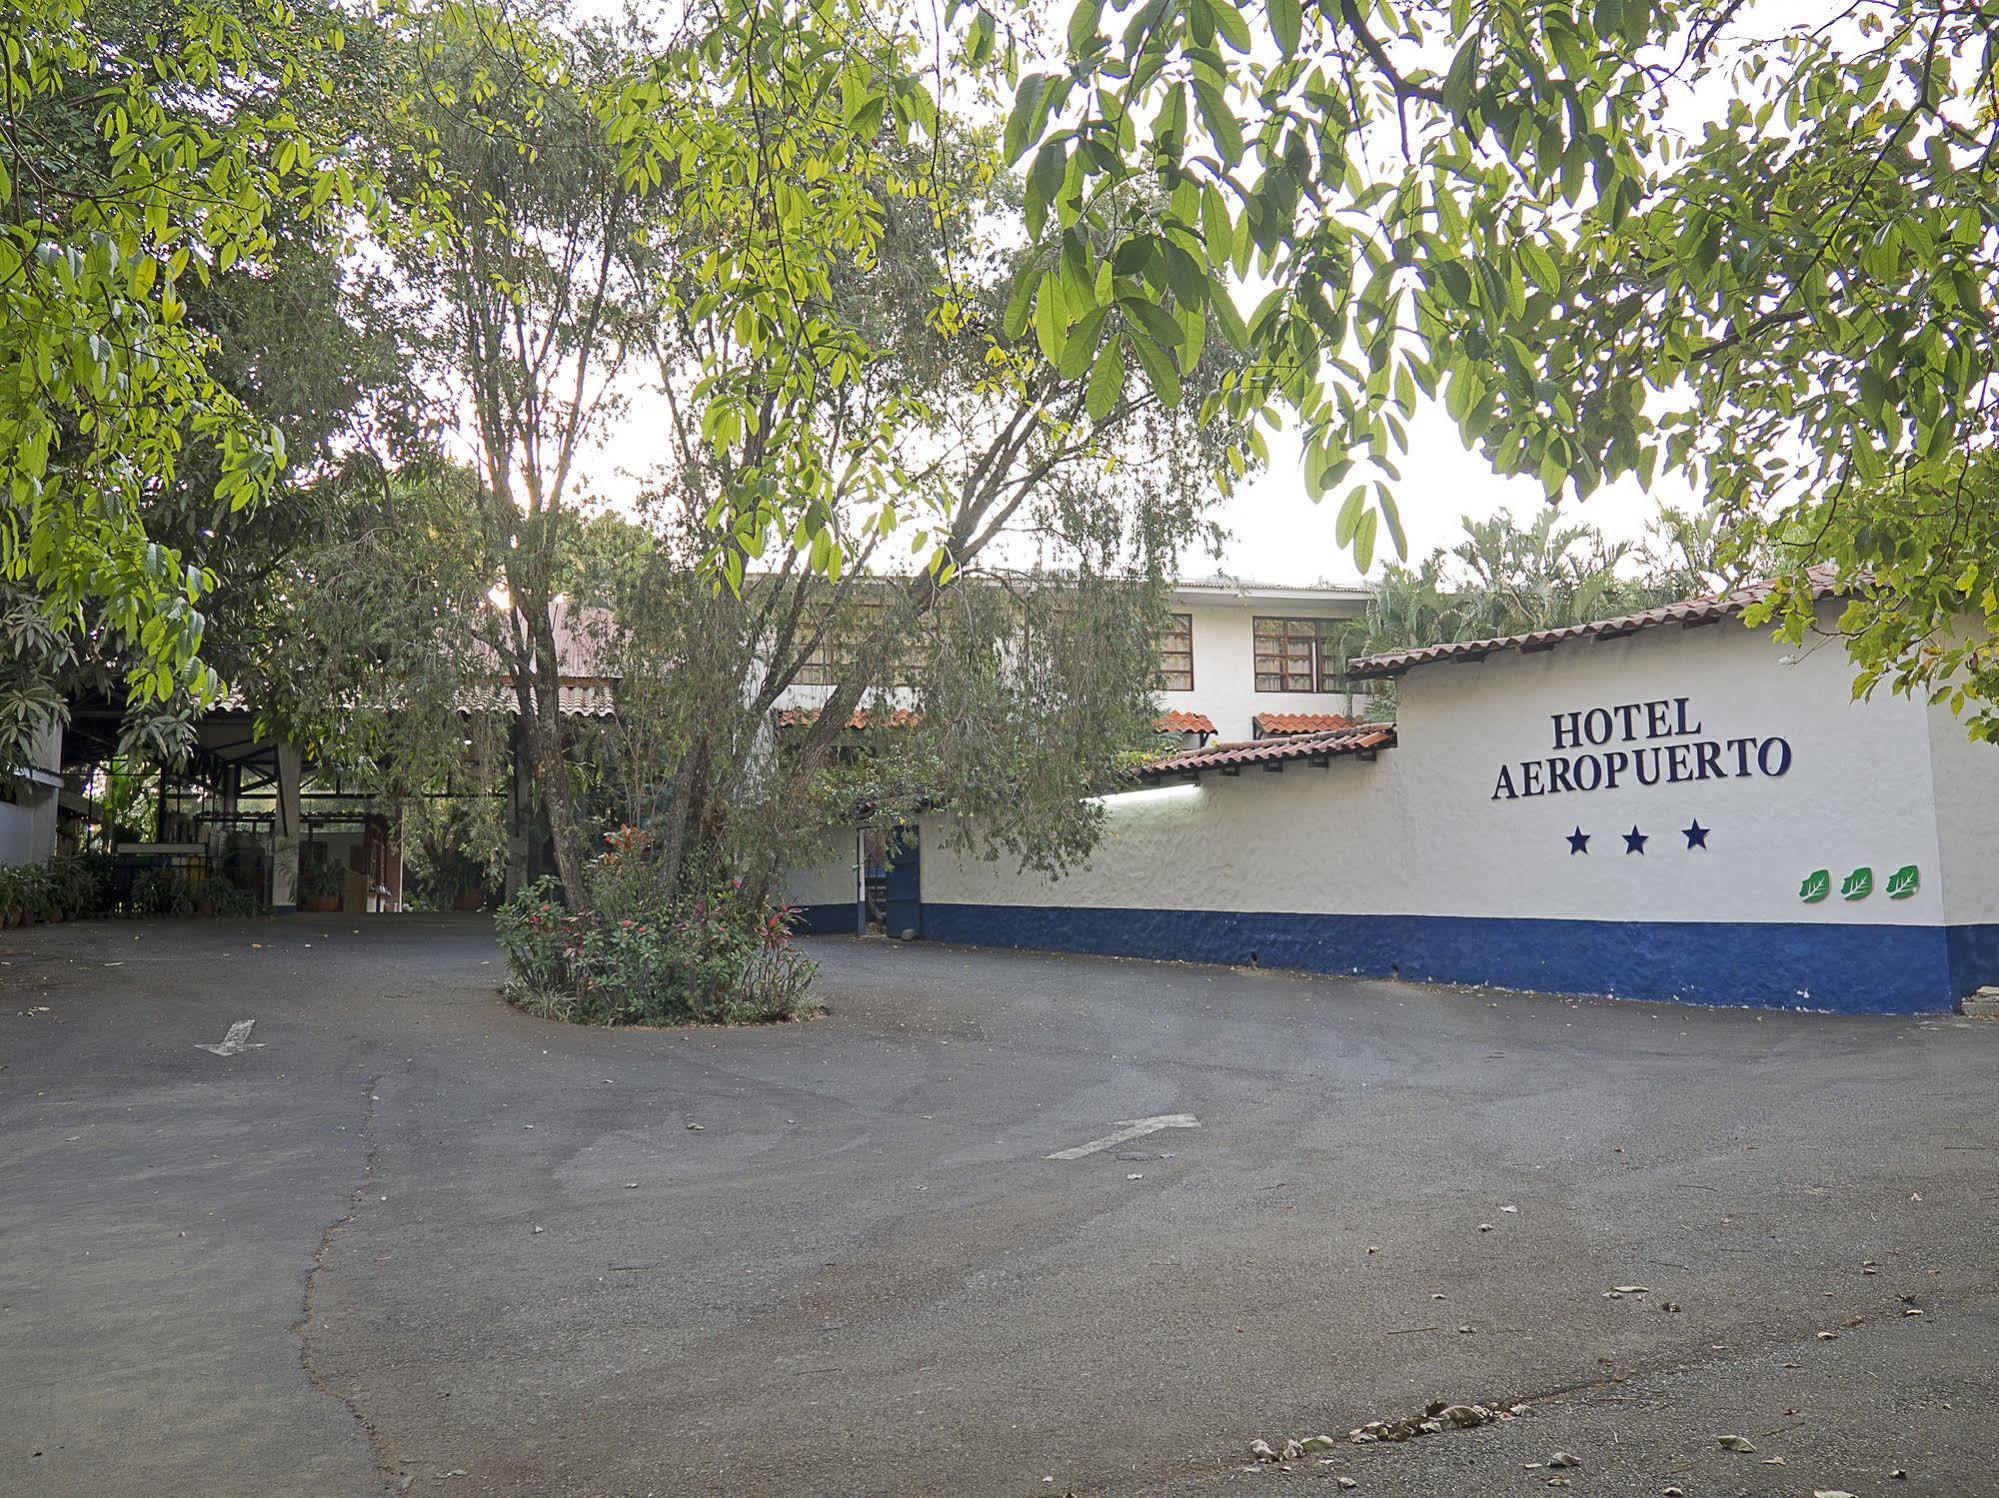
[892,881]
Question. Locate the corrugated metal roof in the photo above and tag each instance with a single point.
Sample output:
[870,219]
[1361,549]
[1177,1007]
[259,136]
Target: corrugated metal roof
[1691,611]
[573,699]
[1359,738]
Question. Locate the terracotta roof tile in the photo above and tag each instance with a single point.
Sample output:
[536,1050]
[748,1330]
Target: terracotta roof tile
[803,717]
[1357,738]
[1177,721]
[1704,610]
[1271,725]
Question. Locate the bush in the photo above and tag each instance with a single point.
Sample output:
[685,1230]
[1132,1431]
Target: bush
[79,885]
[162,892]
[216,895]
[718,959]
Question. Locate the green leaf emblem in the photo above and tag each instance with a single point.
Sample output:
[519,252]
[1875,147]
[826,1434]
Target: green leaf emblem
[1903,883]
[1859,884]
[1817,885]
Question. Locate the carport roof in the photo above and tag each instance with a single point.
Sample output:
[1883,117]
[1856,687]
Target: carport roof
[1361,740]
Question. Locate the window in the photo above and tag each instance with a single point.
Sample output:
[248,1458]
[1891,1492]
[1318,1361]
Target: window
[1176,654]
[1300,655]
[819,668]
[830,660]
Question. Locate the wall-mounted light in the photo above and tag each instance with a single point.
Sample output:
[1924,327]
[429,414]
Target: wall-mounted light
[1150,793]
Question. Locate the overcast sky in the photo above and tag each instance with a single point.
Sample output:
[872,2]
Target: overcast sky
[1281,536]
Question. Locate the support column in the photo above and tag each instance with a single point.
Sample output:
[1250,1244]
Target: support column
[286,829]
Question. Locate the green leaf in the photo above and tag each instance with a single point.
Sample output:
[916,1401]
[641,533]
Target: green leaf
[1363,541]
[1284,18]
[1227,318]
[1044,181]
[1155,319]
[1541,266]
[1051,316]
[1858,885]
[1817,885]
[1903,883]
[1158,366]
[1106,380]
[1022,126]
[1348,524]
[1079,345]
[1234,29]
[1083,25]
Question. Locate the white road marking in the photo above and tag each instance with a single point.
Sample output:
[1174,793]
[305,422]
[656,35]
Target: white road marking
[1129,1129]
[236,1041]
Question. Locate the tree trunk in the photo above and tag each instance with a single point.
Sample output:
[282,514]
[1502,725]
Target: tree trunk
[690,798]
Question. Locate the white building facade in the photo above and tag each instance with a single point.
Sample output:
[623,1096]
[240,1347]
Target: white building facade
[1668,806]
[1239,660]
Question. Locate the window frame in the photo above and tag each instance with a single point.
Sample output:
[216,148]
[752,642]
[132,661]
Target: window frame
[1318,633]
[1160,670]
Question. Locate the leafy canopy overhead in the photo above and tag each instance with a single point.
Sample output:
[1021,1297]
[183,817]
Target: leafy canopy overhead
[141,150]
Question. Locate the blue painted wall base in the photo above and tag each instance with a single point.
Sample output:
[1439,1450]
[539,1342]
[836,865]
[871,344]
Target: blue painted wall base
[1850,969]
[843,919]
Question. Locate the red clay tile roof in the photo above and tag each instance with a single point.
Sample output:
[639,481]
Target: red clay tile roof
[1357,738]
[1271,725]
[1690,611]
[1179,722]
[802,717]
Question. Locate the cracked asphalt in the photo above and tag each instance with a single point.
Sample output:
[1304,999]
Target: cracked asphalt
[420,1242]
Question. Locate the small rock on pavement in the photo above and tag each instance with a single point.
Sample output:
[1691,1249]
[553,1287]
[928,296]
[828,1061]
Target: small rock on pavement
[1292,1451]
[1346,1482]
[1319,1443]
[1830,1493]
[1563,1459]
[1261,1451]
[1735,1443]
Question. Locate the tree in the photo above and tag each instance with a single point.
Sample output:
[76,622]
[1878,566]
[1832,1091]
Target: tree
[842,378]
[1508,579]
[141,148]
[535,259]
[1534,211]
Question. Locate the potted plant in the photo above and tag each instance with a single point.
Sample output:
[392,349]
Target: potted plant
[321,886]
[216,895]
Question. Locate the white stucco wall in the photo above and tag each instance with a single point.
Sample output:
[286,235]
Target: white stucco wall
[1966,776]
[1225,668]
[28,819]
[1224,662]
[828,877]
[1857,791]
[1418,831]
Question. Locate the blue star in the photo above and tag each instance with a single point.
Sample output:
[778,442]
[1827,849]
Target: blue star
[1578,841]
[1696,835]
[1634,840]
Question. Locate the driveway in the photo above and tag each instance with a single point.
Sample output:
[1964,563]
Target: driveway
[417,1241]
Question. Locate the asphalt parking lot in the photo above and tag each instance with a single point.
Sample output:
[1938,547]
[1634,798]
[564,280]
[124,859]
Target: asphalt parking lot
[408,1239]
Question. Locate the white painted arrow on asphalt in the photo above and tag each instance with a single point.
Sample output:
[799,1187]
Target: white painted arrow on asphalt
[236,1042]
[1128,1130]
